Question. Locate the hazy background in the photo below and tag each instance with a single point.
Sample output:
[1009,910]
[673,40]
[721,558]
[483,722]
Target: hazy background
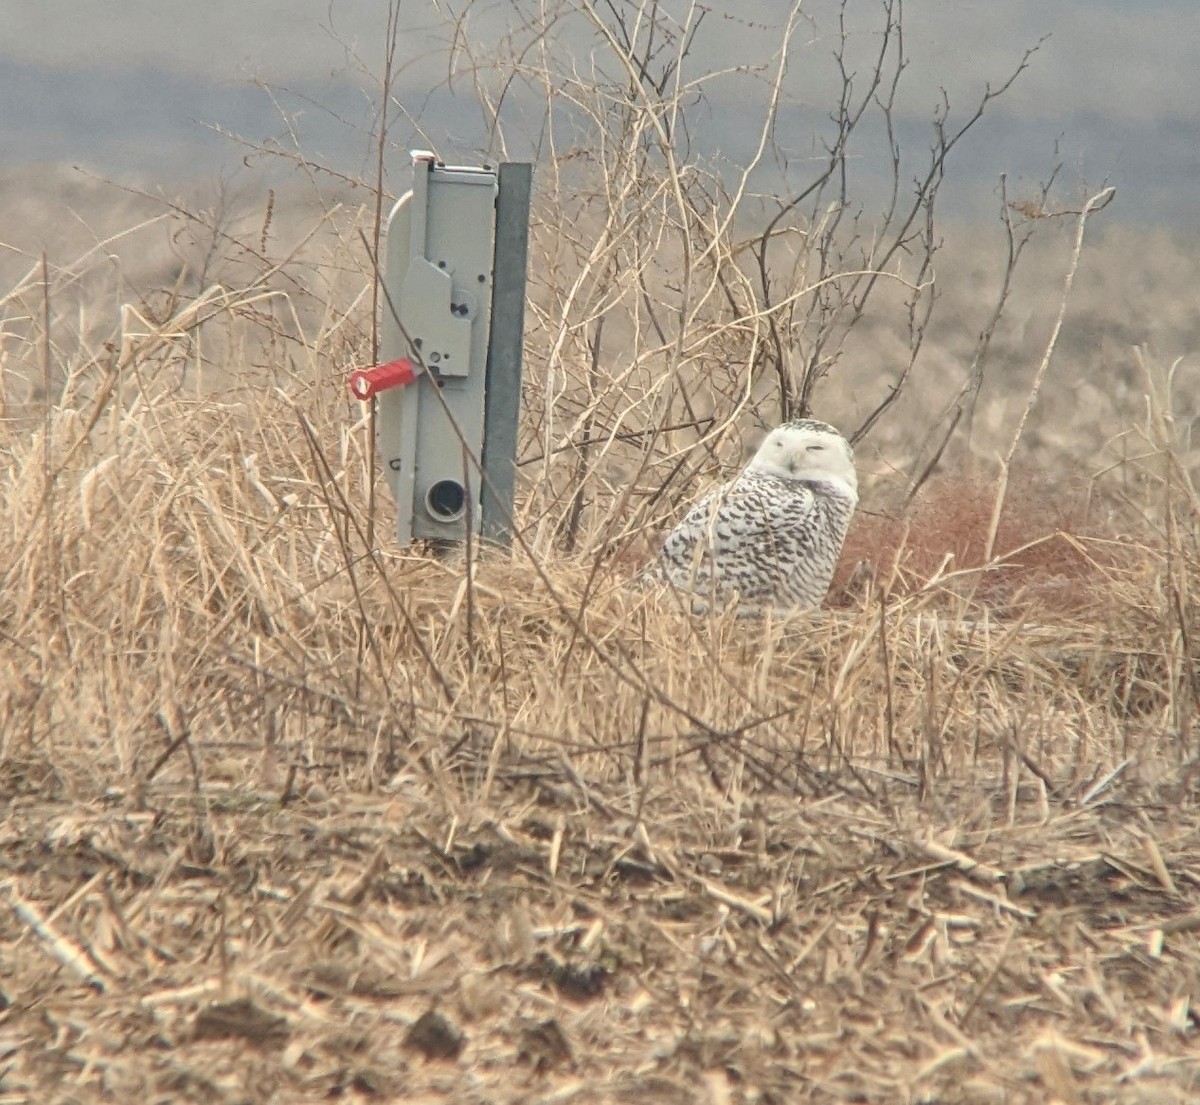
[109,110]
[135,88]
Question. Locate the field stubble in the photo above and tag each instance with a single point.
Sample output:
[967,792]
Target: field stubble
[292,814]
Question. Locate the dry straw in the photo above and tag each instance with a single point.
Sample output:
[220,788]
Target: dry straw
[293,814]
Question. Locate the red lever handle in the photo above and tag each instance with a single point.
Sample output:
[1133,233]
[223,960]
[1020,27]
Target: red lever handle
[366,383]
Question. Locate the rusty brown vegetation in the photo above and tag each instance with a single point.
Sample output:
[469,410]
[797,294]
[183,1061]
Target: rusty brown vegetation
[1045,543]
[291,814]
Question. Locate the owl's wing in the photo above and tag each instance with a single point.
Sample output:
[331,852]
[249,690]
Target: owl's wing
[749,508]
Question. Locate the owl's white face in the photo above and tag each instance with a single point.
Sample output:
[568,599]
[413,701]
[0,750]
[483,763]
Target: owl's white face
[806,451]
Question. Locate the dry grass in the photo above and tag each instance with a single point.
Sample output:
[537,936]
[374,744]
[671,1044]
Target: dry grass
[1046,546]
[291,814]
[288,819]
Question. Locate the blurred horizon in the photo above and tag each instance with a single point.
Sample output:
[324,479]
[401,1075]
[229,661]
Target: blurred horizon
[142,91]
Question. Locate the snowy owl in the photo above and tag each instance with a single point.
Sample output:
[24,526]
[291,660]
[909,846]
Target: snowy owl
[771,537]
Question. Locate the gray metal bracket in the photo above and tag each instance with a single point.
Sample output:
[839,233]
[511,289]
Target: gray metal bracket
[454,282]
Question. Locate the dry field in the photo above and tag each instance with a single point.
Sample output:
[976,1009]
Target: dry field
[291,814]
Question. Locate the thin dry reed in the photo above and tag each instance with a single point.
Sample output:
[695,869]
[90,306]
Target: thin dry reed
[293,814]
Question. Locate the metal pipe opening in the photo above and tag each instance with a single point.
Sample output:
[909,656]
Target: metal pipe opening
[446,500]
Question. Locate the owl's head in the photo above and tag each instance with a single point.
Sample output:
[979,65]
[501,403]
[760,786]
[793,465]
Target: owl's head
[807,450]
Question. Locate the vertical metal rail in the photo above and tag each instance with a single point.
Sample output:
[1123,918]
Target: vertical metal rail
[503,378]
